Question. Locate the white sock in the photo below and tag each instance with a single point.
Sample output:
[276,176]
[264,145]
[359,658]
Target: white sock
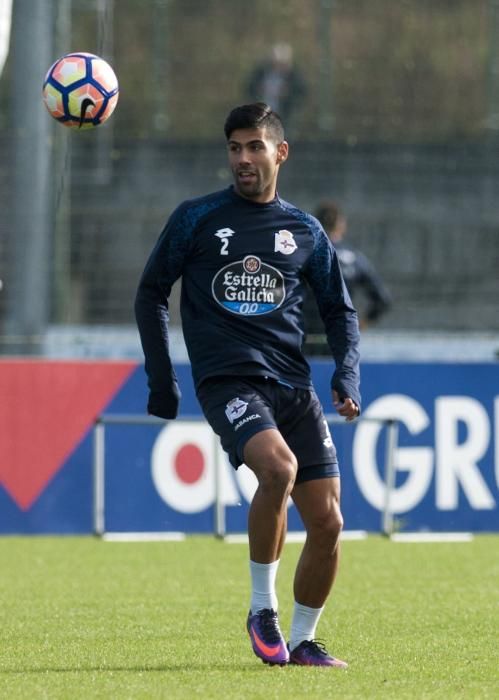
[304,624]
[263,593]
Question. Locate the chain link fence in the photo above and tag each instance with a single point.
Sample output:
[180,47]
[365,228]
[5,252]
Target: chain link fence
[395,116]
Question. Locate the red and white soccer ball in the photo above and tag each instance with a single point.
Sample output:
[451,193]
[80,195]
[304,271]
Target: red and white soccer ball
[80,90]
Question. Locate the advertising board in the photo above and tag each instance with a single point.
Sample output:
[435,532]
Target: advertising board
[162,477]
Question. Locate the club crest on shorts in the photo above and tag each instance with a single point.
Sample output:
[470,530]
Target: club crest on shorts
[284,242]
[235,409]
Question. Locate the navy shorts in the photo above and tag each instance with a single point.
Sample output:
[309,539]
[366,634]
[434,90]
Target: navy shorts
[239,407]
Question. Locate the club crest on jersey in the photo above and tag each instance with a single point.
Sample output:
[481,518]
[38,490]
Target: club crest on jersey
[284,242]
[235,409]
[249,287]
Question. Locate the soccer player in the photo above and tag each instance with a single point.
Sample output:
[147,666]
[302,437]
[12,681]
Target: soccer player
[244,254]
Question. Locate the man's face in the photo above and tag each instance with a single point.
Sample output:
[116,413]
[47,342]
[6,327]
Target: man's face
[254,159]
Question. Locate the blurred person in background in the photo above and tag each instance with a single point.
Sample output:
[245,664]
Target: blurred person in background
[361,278]
[278,83]
[244,254]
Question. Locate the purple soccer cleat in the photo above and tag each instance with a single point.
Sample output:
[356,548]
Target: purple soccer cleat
[314,653]
[266,638]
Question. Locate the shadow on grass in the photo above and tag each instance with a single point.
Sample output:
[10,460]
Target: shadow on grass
[160,668]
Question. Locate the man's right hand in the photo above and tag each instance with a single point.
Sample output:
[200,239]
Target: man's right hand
[163,405]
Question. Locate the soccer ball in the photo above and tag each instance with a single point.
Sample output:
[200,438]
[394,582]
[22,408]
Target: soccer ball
[80,90]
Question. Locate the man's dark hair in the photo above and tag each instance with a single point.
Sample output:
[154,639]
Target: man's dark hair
[257,115]
[328,212]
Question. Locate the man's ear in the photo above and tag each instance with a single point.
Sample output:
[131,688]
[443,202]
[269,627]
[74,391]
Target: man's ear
[282,151]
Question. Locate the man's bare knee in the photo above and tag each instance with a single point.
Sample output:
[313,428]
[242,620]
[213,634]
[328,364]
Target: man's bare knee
[278,475]
[273,463]
[326,529]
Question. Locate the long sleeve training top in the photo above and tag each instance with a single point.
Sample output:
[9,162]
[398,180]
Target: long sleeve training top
[243,266]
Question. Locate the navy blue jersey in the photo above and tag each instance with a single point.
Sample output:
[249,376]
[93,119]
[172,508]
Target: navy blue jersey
[243,266]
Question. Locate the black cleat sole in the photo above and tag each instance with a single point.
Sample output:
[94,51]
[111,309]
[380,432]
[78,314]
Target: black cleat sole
[277,663]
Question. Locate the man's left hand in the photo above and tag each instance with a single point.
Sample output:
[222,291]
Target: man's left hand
[345,407]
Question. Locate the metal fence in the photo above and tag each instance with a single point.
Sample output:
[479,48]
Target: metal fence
[100,466]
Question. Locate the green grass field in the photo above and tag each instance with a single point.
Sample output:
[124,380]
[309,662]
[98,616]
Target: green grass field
[82,618]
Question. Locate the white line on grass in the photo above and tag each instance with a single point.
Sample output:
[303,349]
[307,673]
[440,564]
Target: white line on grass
[432,537]
[242,538]
[143,536]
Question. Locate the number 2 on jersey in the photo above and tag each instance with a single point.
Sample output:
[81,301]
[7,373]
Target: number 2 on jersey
[224,234]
